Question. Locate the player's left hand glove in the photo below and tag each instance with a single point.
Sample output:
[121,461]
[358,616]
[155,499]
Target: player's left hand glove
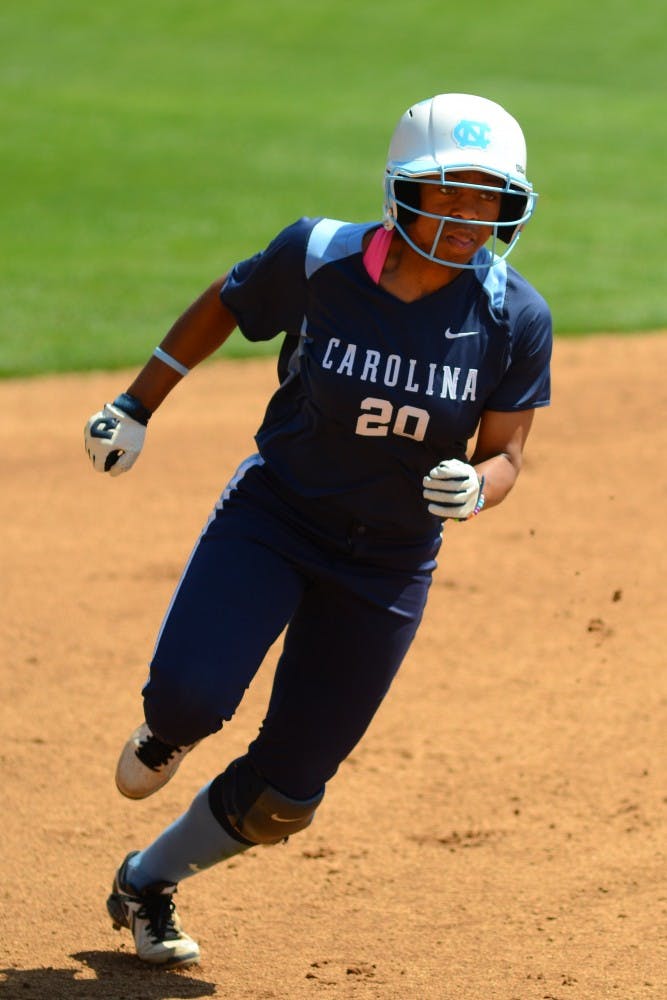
[454,489]
[113,438]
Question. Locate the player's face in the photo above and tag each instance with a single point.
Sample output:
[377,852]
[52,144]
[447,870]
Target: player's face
[458,240]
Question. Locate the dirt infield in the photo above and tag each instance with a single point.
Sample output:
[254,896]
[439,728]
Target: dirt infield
[499,834]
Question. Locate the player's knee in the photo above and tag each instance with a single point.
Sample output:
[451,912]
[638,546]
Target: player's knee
[179,715]
[255,812]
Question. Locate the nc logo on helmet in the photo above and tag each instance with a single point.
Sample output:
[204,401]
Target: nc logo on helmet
[469,134]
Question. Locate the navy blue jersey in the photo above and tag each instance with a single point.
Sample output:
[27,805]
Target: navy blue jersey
[376,391]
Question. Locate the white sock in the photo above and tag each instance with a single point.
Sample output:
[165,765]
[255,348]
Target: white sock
[193,842]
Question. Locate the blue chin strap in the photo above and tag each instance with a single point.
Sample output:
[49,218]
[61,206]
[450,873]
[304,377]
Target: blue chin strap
[391,217]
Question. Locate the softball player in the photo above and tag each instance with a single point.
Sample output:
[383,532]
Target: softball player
[402,340]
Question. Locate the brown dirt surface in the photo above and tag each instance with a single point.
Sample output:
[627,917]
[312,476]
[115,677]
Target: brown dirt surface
[500,832]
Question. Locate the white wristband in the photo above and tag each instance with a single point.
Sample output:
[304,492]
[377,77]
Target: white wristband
[168,360]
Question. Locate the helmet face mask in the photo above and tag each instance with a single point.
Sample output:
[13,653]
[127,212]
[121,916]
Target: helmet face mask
[437,139]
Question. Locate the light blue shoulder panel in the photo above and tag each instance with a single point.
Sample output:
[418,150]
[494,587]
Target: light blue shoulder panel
[493,281]
[332,240]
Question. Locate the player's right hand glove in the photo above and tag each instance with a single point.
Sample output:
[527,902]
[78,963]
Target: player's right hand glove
[113,438]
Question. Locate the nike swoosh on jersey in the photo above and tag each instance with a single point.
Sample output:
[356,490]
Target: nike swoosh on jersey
[462,333]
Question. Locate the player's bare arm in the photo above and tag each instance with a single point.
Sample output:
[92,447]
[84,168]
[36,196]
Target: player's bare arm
[499,449]
[460,490]
[115,435]
[195,335]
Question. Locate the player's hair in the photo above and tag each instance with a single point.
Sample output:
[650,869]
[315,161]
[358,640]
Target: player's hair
[409,193]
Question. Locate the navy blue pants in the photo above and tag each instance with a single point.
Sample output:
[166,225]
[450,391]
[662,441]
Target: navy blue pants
[351,602]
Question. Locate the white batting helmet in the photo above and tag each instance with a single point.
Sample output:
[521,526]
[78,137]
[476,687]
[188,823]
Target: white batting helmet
[449,133]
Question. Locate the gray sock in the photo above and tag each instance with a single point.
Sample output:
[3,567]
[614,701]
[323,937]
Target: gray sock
[193,842]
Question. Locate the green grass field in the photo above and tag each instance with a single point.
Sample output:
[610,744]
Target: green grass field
[146,147]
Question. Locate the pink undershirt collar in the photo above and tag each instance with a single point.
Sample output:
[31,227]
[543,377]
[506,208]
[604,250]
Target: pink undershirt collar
[376,252]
